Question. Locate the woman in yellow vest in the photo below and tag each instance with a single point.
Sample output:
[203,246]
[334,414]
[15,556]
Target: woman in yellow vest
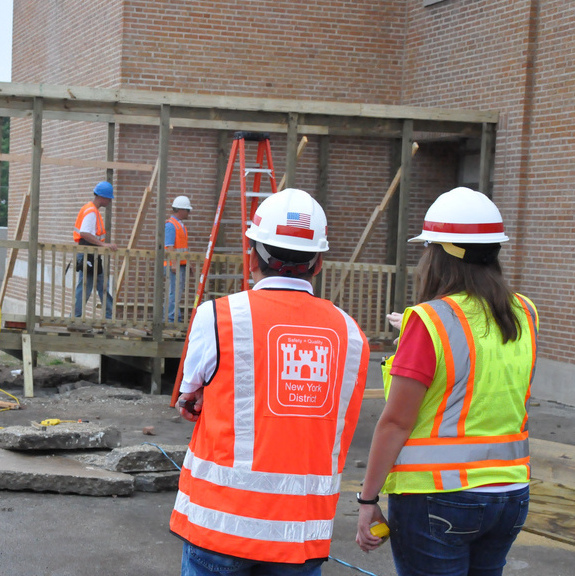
[451,446]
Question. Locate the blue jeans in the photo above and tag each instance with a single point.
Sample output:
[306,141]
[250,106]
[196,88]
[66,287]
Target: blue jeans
[89,285]
[201,562]
[175,295]
[455,533]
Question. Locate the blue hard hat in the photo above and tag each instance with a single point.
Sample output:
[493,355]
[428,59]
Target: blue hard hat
[104,189]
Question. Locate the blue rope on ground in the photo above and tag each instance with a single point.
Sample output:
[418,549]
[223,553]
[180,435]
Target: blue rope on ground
[330,557]
[164,453]
[352,566]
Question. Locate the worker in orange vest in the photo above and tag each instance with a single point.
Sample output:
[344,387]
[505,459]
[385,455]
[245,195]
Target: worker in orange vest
[176,238]
[89,231]
[274,379]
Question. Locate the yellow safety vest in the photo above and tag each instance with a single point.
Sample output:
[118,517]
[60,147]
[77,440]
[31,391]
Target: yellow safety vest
[471,429]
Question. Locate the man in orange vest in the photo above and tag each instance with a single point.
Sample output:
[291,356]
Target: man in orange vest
[274,379]
[176,238]
[89,231]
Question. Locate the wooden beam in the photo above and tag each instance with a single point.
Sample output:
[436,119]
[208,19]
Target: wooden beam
[291,150]
[34,215]
[301,147]
[164,143]
[77,163]
[72,96]
[400,295]
[373,219]
[486,158]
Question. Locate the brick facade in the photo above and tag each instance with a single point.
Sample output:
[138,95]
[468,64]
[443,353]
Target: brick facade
[511,56]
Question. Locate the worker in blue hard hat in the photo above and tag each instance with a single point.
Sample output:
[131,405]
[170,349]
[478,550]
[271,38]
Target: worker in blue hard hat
[89,231]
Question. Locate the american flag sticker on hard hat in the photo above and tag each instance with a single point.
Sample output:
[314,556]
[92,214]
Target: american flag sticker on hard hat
[297,224]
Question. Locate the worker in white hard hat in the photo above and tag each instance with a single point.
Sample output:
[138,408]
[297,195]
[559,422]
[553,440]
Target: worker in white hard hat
[451,446]
[176,238]
[274,377]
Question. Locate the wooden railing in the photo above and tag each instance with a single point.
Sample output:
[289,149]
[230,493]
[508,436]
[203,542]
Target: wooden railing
[363,290]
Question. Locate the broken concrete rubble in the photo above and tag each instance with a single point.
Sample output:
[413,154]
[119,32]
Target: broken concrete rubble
[64,436]
[145,458]
[49,473]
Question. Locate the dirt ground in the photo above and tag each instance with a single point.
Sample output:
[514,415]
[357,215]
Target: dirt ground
[65,535]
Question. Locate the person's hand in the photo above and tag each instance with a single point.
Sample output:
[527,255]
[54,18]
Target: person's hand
[193,408]
[112,247]
[395,319]
[368,515]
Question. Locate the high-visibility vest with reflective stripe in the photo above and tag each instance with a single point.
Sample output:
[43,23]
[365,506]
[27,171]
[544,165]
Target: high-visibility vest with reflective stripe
[262,474]
[84,211]
[471,429]
[181,242]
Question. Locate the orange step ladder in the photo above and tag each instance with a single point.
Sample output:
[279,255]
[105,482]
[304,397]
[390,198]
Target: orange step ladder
[249,201]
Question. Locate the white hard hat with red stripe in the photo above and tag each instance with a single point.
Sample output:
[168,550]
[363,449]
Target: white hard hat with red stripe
[462,216]
[290,219]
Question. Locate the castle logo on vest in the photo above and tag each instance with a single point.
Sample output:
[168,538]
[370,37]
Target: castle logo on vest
[302,370]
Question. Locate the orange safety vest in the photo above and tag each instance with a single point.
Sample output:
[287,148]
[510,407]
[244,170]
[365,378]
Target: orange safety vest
[84,211]
[262,474]
[181,242]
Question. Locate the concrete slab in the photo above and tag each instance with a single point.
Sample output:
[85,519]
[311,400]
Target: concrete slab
[64,436]
[25,471]
[146,458]
[156,481]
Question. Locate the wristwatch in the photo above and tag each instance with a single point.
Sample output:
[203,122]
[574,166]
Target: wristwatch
[362,501]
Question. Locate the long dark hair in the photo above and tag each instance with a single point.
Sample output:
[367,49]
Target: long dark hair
[439,274]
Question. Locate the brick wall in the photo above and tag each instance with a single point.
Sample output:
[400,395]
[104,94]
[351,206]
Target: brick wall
[514,57]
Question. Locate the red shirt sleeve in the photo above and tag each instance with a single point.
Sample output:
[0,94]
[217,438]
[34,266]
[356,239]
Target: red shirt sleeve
[415,356]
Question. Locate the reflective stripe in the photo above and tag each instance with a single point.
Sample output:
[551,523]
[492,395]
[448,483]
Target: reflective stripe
[264,482]
[254,528]
[463,452]
[244,391]
[351,369]
[455,395]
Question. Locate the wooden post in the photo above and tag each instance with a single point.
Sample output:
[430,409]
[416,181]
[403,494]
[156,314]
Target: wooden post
[109,178]
[486,159]
[160,241]
[27,363]
[34,214]
[291,151]
[323,169]
[400,295]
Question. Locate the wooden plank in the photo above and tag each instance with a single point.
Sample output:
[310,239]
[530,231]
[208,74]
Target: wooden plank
[27,366]
[373,393]
[373,219]
[104,164]
[63,96]
[552,511]
[137,229]
[24,208]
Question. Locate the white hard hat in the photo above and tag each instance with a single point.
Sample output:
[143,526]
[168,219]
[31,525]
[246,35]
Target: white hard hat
[182,202]
[290,219]
[462,216]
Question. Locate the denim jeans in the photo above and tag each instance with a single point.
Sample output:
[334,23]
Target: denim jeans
[89,285]
[176,295]
[201,562]
[455,533]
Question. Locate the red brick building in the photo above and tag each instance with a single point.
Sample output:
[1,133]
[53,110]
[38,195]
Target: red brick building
[515,57]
